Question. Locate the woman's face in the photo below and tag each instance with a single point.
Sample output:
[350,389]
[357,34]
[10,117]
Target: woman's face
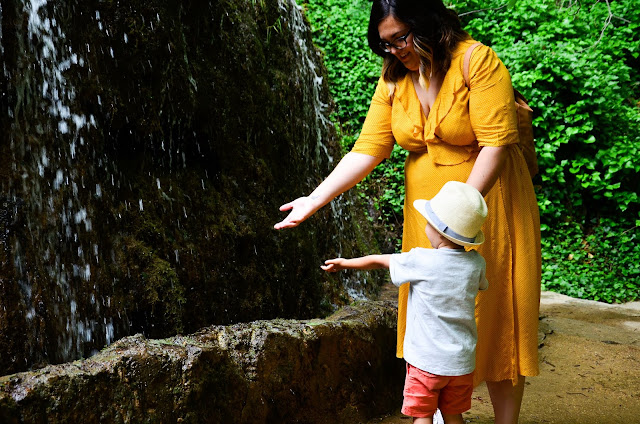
[390,29]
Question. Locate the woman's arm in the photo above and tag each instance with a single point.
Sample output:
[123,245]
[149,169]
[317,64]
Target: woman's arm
[493,116]
[487,168]
[350,170]
[365,262]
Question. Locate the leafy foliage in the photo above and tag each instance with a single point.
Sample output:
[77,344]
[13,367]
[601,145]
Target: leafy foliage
[579,68]
[602,265]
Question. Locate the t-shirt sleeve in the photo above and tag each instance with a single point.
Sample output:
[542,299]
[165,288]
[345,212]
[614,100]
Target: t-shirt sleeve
[402,269]
[491,103]
[376,138]
[484,283]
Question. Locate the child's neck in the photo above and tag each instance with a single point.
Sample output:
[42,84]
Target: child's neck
[456,247]
[444,243]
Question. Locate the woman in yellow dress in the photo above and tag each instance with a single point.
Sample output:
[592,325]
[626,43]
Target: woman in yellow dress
[453,132]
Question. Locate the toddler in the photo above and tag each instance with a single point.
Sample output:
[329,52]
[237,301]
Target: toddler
[440,341]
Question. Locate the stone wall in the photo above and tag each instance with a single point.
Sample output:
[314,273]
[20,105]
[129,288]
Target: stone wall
[339,370]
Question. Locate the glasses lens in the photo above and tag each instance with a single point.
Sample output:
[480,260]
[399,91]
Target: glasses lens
[400,43]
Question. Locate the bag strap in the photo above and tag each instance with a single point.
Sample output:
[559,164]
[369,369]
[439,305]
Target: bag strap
[466,63]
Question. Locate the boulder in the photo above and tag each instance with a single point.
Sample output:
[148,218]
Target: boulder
[146,148]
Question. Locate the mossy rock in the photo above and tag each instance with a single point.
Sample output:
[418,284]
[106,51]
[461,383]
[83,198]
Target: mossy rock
[150,152]
[338,370]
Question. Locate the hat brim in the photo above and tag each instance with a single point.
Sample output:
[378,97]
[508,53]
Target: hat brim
[423,207]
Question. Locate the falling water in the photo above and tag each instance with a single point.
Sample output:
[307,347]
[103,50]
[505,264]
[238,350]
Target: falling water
[59,196]
[308,70]
[308,73]
[143,166]
[50,178]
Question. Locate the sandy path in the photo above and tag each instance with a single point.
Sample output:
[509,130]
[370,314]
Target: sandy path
[589,367]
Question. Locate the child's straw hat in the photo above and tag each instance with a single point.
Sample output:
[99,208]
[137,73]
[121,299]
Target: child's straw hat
[457,212]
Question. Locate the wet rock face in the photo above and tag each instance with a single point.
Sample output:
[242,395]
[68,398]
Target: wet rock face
[145,150]
[339,370]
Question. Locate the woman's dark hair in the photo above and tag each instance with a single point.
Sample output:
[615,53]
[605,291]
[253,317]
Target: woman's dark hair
[436,32]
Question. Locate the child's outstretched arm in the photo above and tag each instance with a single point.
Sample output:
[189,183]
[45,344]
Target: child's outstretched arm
[365,262]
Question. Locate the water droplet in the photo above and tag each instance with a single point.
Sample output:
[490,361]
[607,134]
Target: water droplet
[59,179]
[63,127]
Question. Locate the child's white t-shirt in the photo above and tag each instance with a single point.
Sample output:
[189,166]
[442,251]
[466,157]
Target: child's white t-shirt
[441,330]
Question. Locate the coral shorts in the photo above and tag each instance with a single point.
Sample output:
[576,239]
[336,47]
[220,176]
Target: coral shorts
[425,392]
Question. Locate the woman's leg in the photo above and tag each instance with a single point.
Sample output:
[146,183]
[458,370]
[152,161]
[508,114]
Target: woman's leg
[506,400]
[423,420]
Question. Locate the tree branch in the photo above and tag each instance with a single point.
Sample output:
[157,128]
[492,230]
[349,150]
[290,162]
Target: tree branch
[578,3]
[566,4]
[483,10]
[607,21]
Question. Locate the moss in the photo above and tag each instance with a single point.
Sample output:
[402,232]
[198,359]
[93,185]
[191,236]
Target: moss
[266,371]
[159,290]
[205,126]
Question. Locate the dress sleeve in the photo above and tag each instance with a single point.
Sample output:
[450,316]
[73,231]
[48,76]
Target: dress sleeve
[491,103]
[376,138]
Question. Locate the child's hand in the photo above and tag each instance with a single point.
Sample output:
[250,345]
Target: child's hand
[333,265]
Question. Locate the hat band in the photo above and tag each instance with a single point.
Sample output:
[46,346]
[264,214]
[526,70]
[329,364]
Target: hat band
[444,228]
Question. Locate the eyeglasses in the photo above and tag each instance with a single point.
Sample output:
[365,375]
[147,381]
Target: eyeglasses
[398,44]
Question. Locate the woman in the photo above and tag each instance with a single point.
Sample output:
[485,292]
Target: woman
[453,132]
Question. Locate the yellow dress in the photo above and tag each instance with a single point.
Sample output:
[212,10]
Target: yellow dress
[444,147]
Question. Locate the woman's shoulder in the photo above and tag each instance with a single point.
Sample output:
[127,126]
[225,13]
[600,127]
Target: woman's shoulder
[484,63]
[479,53]
[389,89]
[384,90]
[463,45]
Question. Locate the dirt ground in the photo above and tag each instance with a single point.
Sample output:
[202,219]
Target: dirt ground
[589,367]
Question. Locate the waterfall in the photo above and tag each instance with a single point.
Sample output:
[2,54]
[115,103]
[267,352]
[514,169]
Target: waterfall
[68,254]
[309,72]
[147,151]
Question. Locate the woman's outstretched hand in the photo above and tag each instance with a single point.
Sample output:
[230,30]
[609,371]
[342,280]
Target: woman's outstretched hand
[350,170]
[301,209]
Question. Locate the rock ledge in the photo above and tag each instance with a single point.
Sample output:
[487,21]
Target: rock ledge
[334,370]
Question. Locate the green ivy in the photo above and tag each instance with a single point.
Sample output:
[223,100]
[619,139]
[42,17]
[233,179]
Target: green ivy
[601,265]
[579,68]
